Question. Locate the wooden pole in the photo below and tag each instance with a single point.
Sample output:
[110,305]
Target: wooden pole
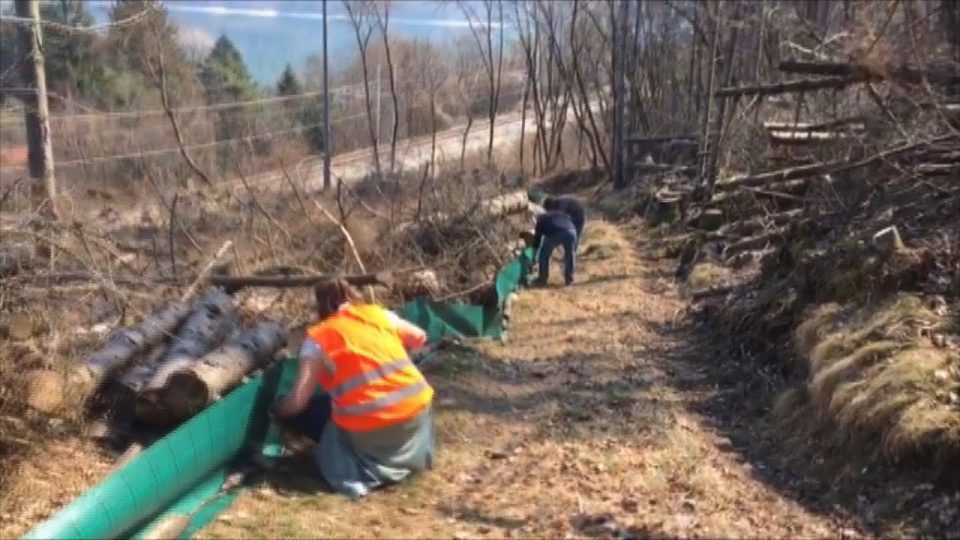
[326,107]
[36,111]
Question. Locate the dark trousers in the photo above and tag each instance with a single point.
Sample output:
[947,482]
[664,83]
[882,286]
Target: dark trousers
[568,239]
[312,419]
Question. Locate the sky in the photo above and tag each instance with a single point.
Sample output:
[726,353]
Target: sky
[271,33]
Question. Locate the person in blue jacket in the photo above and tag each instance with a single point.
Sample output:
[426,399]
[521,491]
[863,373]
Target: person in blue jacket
[572,207]
[555,228]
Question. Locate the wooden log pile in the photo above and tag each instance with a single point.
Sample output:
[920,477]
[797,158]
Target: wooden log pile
[176,361]
[756,214]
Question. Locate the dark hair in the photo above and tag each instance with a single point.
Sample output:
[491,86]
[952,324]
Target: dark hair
[550,203]
[332,294]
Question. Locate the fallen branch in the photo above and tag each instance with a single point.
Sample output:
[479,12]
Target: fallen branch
[801,85]
[935,73]
[206,271]
[752,242]
[361,280]
[822,168]
[716,290]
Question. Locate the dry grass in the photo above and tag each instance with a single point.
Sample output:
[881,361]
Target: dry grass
[705,275]
[877,384]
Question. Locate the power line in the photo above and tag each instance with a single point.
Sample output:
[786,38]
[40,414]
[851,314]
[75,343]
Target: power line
[210,107]
[198,108]
[81,29]
[161,151]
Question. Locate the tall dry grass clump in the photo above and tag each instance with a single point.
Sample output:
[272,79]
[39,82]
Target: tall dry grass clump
[878,385]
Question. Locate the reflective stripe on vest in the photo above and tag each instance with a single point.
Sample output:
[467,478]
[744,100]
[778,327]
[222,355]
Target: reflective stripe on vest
[368,377]
[381,402]
[372,384]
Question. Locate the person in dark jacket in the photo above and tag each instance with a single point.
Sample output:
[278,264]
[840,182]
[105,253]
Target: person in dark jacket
[555,228]
[572,207]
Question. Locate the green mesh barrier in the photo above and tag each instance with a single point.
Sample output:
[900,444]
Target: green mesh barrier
[184,469]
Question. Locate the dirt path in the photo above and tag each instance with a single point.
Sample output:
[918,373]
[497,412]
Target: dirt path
[578,426]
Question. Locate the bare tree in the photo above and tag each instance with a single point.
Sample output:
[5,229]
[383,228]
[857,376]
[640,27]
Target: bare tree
[383,21]
[36,112]
[363,30]
[493,69]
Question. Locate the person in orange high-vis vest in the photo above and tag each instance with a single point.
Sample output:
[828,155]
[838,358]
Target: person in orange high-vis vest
[373,422]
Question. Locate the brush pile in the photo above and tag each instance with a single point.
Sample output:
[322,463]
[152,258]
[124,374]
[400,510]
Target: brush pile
[835,245]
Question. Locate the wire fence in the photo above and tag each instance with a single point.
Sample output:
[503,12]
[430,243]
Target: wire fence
[123,147]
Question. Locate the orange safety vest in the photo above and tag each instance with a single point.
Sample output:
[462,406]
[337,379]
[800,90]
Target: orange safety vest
[370,379]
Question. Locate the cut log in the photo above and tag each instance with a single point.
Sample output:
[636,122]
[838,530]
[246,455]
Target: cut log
[207,326]
[124,346]
[129,385]
[136,339]
[191,389]
[238,282]
[798,137]
[495,207]
[504,205]
[420,283]
[710,219]
[854,123]
[667,207]
[888,241]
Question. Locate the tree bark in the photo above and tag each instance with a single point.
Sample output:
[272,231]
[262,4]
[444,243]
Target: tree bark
[209,323]
[384,23]
[132,341]
[36,111]
[940,74]
[189,390]
[237,282]
[800,85]
[356,20]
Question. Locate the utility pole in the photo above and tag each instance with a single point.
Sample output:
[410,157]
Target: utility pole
[36,112]
[378,104]
[327,142]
